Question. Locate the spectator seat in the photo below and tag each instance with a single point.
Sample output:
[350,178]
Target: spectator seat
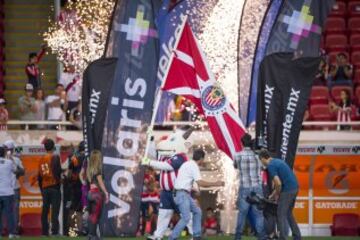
[356,79]
[31,224]
[354,25]
[339,10]
[336,42]
[355,58]
[354,9]
[319,95]
[357,94]
[335,25]
[355,42]
[320,112]
[345,224]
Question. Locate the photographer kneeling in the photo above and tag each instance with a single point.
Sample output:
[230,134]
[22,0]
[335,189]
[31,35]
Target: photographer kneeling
[250,181]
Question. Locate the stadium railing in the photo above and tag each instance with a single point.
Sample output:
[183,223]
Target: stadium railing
[63,124]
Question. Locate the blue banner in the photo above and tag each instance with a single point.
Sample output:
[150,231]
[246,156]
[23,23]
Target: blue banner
[297,29]
[299,26]
[168,21]
[267,25]
[133,39]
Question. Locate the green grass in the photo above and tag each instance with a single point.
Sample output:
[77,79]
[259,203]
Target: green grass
[210,238]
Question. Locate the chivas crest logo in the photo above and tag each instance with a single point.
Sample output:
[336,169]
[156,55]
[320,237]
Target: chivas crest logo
[213,98]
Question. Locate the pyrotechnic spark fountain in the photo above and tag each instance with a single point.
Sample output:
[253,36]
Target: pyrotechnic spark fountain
[74,230]
[219,40]
[78,36]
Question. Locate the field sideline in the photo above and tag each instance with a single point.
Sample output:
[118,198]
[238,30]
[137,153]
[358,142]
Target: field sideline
[210,238]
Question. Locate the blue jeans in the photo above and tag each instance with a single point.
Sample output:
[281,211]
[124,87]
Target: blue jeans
[244,207]
[186,206]
[7,206]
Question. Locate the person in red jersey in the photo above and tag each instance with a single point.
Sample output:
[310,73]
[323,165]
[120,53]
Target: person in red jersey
[32,69]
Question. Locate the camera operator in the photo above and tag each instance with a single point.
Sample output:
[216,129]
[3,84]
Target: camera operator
[7,170]
[286,188]
[20,171]
[249,167]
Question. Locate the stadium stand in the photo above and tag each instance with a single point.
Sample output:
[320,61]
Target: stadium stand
[24,22]
[341,35]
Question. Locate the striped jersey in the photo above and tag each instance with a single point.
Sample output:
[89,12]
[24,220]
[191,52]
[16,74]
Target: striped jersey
[167,178]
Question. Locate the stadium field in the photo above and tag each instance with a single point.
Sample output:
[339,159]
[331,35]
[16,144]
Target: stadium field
[210,238]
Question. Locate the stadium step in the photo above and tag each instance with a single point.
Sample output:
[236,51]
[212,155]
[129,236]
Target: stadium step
[25,22]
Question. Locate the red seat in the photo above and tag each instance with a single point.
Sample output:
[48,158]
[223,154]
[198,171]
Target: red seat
[355,58]
[336,42]
[355,42]
[354,24]
[319,95]
[333,54]
[336,90]
[357,95]
[354,9]
[339,9]
[30,224]
[320,112]
[335,25]
[356,79]
[345,224]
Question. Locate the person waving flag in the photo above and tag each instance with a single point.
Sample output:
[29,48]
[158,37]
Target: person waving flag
[189,75]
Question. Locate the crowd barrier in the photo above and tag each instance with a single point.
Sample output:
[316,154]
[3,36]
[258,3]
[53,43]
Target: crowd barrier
[63,124]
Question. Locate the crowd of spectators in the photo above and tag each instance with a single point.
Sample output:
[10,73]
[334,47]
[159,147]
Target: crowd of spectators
[336,92]
[37,105]
[34,105]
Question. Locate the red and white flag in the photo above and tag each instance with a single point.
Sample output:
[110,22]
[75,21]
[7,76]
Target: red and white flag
[189,75]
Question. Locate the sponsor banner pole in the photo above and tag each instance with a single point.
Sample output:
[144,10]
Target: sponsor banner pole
[298,27]
[97,81]
[296,33]
[286,84]
[134,41]
[267,25]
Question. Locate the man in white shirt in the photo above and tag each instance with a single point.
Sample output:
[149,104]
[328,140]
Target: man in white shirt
[57,104]
[72,84]
[7,169]
[20,171]
[189,173]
